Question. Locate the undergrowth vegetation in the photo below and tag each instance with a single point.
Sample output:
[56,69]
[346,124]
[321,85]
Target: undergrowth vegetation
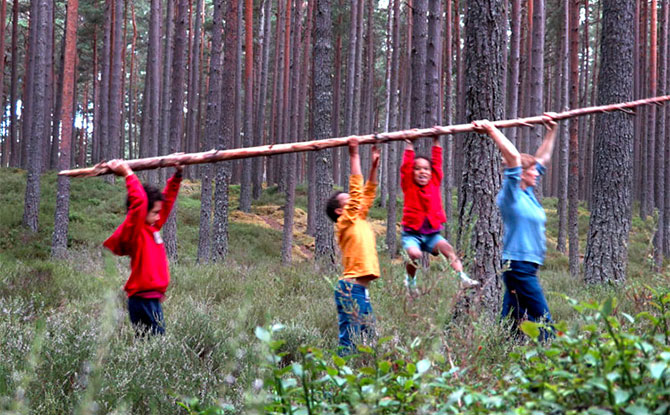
[251,336]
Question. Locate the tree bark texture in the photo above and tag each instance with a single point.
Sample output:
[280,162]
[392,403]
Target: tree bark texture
[484,40]
[15,156]
[419,57]
[607,245]
[61,217]
[573,177]
[245,188]
[322,93]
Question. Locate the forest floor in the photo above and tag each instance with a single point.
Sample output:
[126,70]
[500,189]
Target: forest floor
[67,346]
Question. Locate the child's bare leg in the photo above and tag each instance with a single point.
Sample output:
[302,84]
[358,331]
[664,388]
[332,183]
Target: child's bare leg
[447,250]
[414,256]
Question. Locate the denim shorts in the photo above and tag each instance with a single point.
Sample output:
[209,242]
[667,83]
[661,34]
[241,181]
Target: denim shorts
[423,242]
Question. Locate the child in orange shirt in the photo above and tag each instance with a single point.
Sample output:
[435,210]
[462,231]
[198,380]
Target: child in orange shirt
[359,250]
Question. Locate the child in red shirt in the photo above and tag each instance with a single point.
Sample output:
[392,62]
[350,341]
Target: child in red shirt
[423,215]
[139,237]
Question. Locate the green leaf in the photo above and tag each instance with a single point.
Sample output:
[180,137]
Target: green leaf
[637,410]
[297,369]
[656,369]
[598,411]
[531,329]
[411,368]
[262,334]
[339,362]
[331,371]
[364,349]
[621,396]
[368,371]
[423,366]
[384,366]
[606,309]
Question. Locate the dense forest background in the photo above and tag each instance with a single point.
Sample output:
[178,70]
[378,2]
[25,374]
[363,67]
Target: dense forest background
[85,81]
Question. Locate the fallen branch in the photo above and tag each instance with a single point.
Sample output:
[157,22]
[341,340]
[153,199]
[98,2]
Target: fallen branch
[214,156]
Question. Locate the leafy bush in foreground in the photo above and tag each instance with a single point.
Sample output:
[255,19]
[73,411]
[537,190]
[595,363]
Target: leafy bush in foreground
[613,363]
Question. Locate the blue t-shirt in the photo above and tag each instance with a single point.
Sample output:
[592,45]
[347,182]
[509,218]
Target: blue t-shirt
[523,219]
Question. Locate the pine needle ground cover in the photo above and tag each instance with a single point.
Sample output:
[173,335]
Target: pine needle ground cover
[250,336]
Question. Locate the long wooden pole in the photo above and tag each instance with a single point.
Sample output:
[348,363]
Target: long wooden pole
[213,156]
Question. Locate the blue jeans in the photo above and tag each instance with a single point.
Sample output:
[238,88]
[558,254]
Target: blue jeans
[354,314]
[146,314]
[524,298]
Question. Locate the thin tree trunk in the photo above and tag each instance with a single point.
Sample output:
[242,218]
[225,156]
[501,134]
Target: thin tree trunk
[193,121]
[573,177]
[166,71]
[513,73]
[394,109]
[448,158]
[563,143]
[3,19]
[55,126]
[419,57]
[537,73]
[212,129]
[115,83]
[220,235]
[265,43]
[245,188]
[176,113]
[38,35]
[61,217]
[15,158]
[661,161]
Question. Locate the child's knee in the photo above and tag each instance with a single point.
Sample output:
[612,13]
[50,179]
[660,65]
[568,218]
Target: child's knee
[414,254]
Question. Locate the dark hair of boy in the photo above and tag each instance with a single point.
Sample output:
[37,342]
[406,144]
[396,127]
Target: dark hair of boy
[332,205]
[153,195]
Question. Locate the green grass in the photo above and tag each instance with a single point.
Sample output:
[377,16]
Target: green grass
[69,315]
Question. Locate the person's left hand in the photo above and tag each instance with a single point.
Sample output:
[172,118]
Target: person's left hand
[549,120]
[376,154]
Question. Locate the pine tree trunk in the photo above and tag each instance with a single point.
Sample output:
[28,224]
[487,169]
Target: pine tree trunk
[645,199]
[448,158]
[166,83]
[58,107]
[38,42]
[659,240]
[132,99]
[226,134]
[15,156]
[61,217]
[152,87]
[419,57]
[4,161]
[349,93]
[537,74]
[193,121]
[245,188]
[512,107]
[484,40]
[563,139]
[265,42]
[337,85]
[237,164]
[573,177]
[606,249]
[394,109]
[212,129]
[322,88]
[105,67]
[666,181]
[176,113]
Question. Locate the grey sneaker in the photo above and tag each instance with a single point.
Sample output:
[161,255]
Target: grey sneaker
[467,282]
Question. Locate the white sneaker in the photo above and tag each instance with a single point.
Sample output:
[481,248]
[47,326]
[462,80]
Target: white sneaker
[410,284]
[466,281]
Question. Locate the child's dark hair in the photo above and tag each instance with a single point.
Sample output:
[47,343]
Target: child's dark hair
[421,156]
[153,195]
[332,205]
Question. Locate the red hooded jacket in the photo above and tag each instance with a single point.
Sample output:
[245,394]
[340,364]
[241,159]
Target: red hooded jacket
[425,202]
[142,242]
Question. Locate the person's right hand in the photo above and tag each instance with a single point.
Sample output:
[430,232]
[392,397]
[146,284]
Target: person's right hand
[483,126]
[119,167]
[353,146]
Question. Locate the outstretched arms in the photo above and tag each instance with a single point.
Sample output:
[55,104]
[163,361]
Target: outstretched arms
[543,154]
[509,152]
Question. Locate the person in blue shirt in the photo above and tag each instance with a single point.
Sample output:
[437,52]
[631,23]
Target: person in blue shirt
[524,241]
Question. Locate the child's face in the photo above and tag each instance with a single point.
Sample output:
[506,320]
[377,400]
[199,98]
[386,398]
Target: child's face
[343,198]
[154,214]
[422,172]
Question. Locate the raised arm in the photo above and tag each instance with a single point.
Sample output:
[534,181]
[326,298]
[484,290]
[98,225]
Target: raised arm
[543,154]
[354,157]
[509,152]
[370,190]
[170,193]
[407,165]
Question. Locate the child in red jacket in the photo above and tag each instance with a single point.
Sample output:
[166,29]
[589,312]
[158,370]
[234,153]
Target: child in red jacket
[423,215]
[139,237]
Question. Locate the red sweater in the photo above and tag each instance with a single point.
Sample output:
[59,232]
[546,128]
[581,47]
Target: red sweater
[142,242]
[425,202]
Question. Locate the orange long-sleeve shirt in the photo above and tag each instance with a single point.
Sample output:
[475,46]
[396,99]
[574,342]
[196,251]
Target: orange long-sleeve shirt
[354,233]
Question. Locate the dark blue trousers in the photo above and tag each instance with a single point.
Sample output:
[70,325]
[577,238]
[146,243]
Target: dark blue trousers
[354,314]
[146,314]
[524,298]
